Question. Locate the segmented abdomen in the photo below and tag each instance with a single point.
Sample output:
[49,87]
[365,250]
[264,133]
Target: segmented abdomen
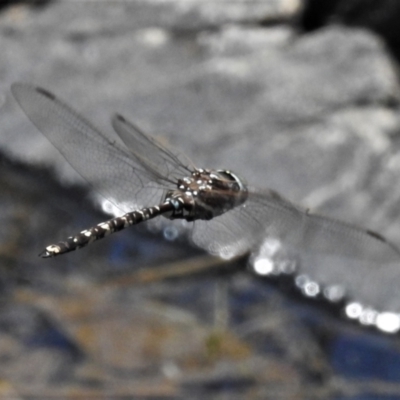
[100,231]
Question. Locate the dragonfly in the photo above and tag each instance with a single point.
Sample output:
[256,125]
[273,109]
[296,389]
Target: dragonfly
[145,179]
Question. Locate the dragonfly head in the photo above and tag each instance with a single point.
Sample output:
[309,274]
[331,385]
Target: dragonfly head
[206,194]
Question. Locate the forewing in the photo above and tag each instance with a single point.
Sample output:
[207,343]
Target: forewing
[360,264]
[105,164]
[285,238]
[268,215]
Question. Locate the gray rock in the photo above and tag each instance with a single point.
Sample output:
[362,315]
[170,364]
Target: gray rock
[313,117]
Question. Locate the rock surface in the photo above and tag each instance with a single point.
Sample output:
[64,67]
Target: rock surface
[235,85]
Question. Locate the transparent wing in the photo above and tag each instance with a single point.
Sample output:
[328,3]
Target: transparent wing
[240,230]
[358,263]
[109,167]
[152,155]
[268,215]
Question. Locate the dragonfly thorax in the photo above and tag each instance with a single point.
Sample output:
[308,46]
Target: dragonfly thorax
[206,194]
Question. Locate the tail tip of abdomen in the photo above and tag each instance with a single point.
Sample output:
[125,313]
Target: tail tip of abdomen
[45,254]
[50,251]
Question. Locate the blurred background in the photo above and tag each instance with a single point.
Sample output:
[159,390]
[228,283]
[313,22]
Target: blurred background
[298,96]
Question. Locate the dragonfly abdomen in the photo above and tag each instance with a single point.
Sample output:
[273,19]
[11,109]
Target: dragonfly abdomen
[103,229]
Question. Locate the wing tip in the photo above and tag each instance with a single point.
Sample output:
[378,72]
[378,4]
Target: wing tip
[382,238]
[17,89]
[45,93]
[119,117]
